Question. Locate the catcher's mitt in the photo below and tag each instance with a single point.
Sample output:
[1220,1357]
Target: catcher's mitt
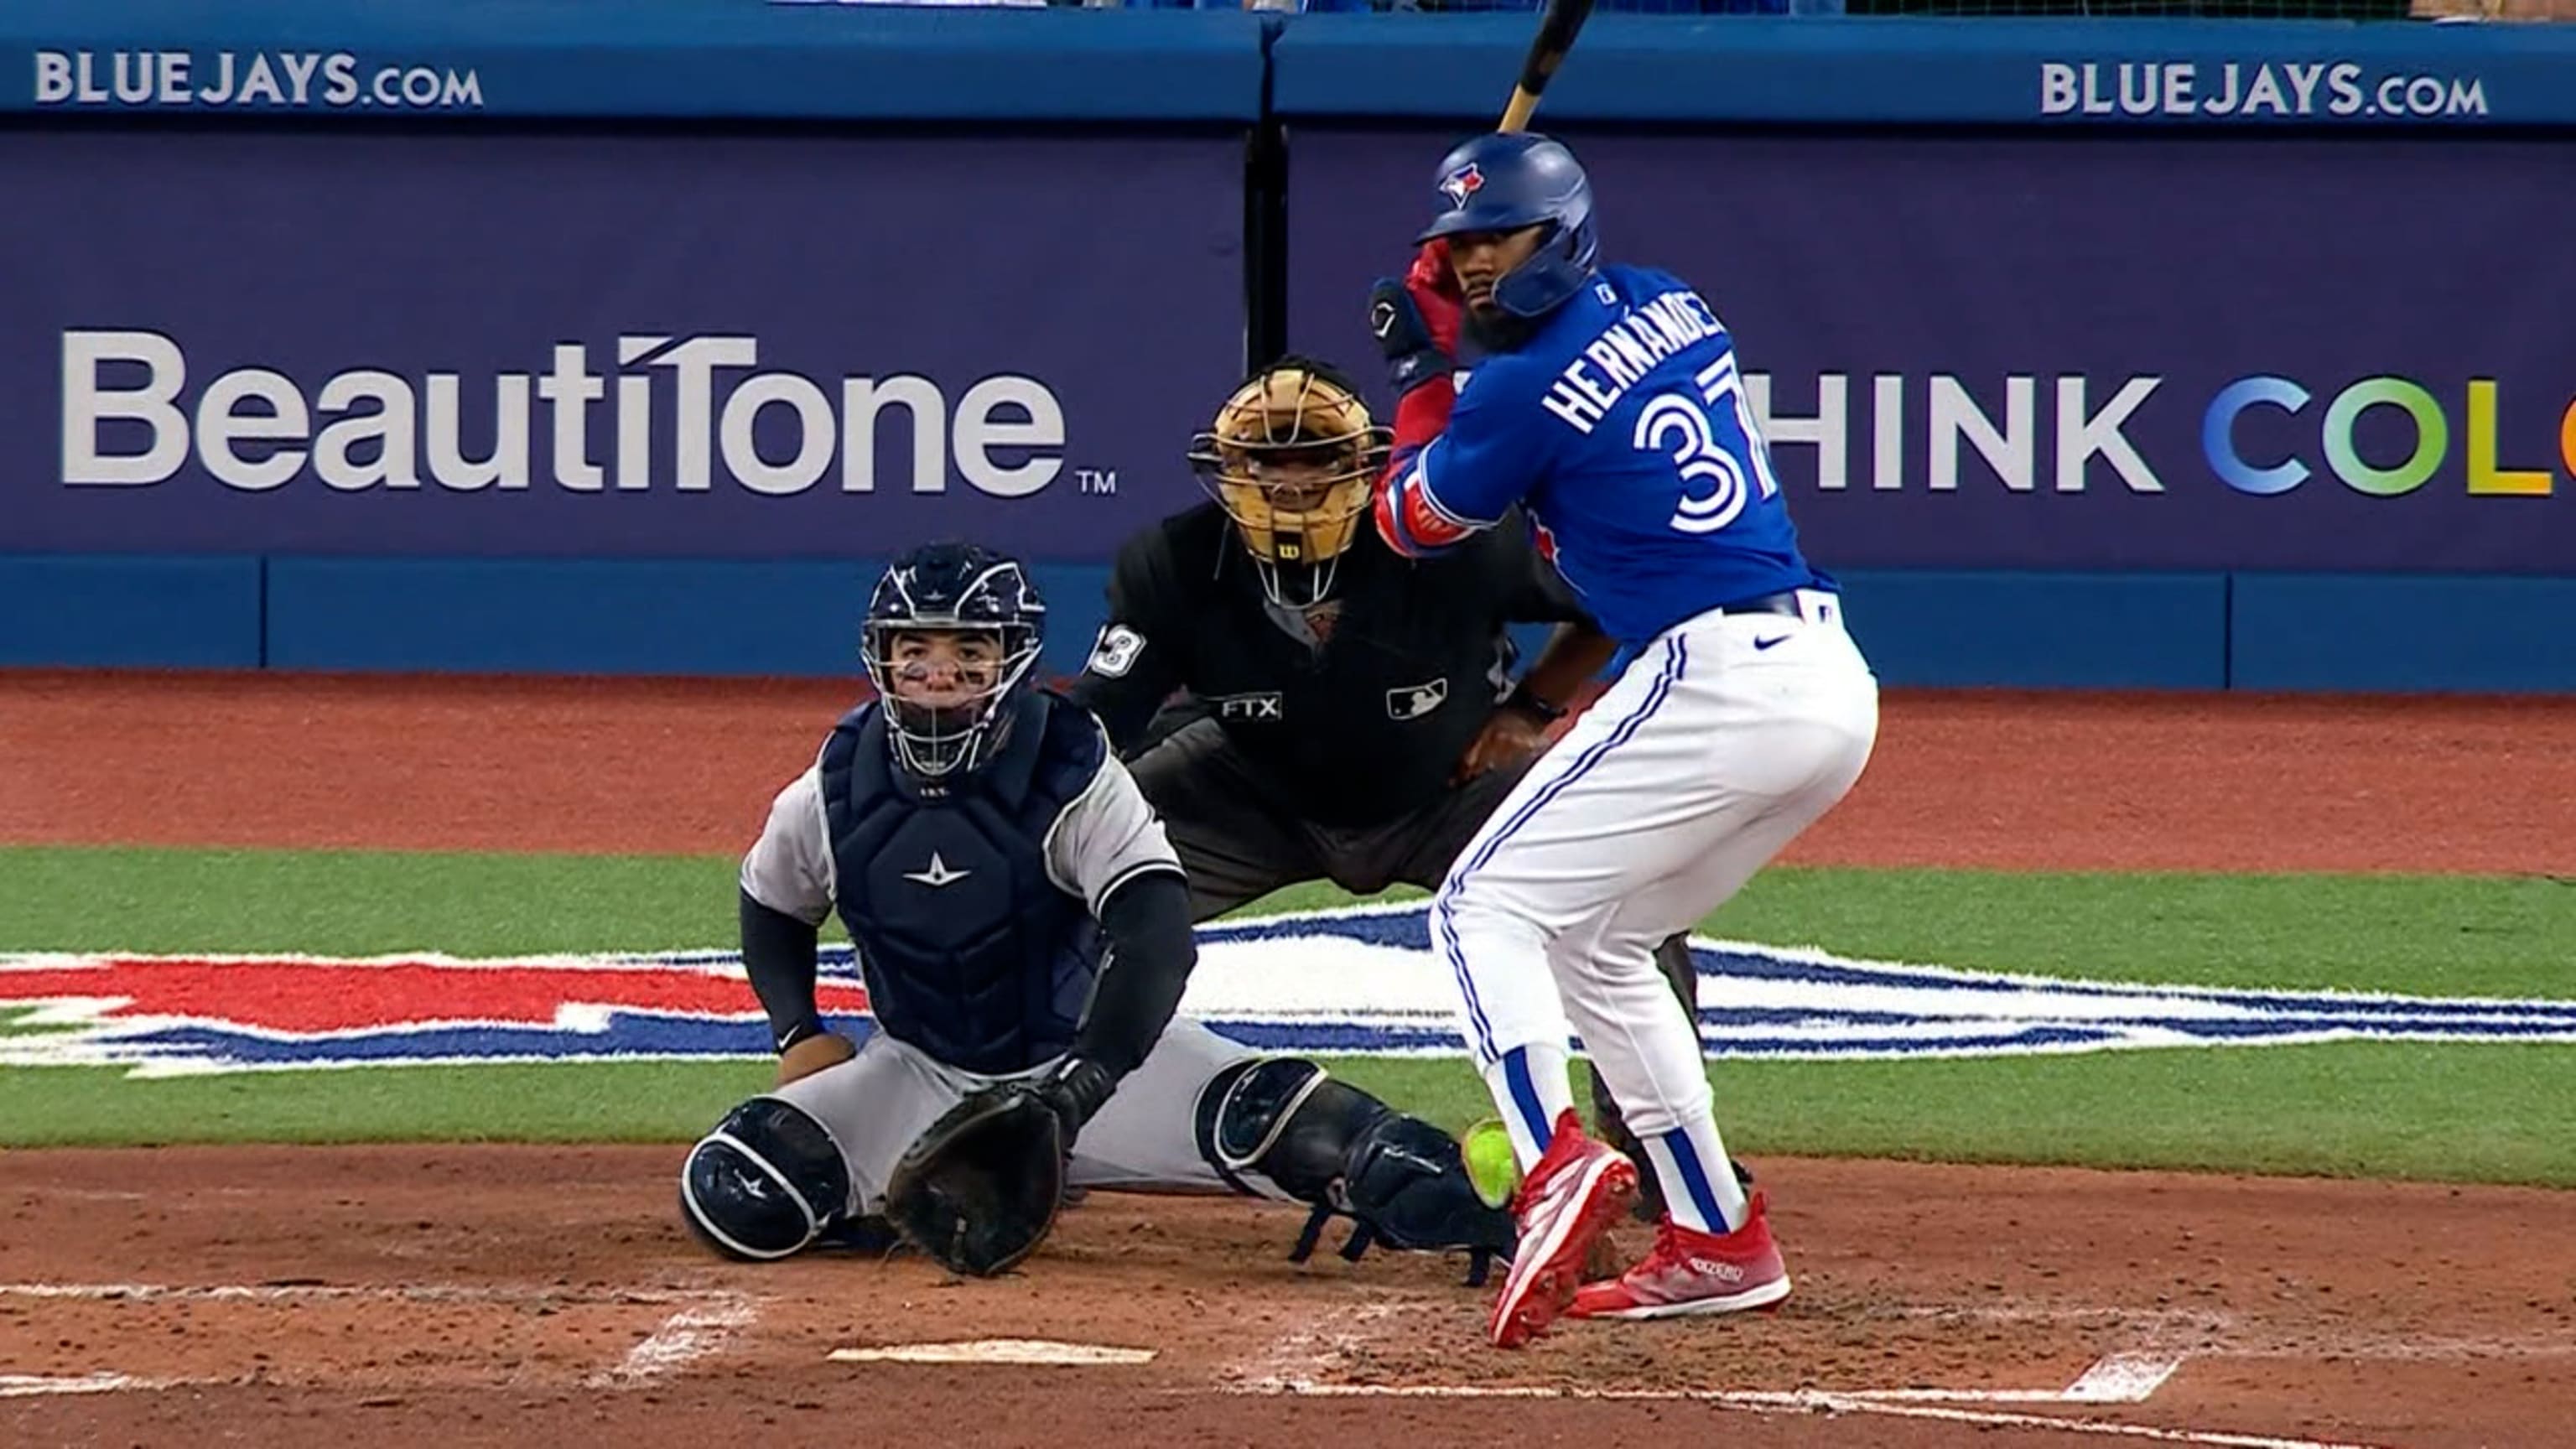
[980,1188]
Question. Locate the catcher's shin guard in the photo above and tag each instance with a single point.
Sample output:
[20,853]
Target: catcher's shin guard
[765,1183]
[1401,1180]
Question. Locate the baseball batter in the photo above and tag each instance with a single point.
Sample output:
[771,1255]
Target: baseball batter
[1609,406]
[1344,713]
[1019,916]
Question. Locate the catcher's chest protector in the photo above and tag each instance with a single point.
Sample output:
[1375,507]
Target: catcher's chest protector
[971,953]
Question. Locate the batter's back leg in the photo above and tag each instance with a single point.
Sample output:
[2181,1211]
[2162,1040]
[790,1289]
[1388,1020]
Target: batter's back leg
[1610,1125]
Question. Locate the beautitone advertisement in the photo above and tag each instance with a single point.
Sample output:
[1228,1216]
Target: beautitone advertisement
[607,345]
[2131,353]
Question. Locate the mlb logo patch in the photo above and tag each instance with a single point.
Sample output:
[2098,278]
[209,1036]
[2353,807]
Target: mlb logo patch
[1415,701]
[1464,182]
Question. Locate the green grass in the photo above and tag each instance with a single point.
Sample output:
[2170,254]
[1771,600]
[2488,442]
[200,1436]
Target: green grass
[2426,934]
[359,902]
[2398,1110]
[2367,1110]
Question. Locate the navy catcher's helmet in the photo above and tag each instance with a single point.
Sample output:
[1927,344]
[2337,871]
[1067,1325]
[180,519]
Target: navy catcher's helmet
[1506,181]
[952,633]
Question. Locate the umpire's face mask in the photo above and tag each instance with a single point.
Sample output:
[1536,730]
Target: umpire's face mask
[1293,458]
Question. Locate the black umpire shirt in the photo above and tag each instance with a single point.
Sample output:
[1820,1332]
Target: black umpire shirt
[1353,713]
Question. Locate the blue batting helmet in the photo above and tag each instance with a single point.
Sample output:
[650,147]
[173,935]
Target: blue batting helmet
[1509,180]
[947,711]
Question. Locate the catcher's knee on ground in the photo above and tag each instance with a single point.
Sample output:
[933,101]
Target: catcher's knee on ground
[766,1183]
[1343,1152]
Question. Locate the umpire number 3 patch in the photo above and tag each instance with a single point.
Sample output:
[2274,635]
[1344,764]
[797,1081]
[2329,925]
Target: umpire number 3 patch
[1116,651]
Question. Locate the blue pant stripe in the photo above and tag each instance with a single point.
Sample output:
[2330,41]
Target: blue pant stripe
[1516,1079]
[1695,1178]
[1675,656]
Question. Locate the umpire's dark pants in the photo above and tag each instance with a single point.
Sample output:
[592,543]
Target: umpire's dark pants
[1239,843]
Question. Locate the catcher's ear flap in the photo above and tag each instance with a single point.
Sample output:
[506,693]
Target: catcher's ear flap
[981,1187]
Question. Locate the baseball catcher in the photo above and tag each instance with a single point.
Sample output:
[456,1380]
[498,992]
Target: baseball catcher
[1023,928]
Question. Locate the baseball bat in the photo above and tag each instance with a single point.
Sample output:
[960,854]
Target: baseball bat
[1557,26]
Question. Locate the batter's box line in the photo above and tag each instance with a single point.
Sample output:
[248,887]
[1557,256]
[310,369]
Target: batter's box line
[1817,1401]
[373,1292]
[683,1339]
[27,1386]
[1320,1345]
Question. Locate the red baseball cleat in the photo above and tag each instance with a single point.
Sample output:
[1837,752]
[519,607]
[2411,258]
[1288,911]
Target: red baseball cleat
[1694,1272]
[1577,1190]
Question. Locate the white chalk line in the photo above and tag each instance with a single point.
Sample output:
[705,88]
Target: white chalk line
[1034,1352]
[684,1338]
[1319,1346]
[1807,1401]
[2120,1378]
[25,1386]
[691,1334]
[409,1293]
[1297,1363]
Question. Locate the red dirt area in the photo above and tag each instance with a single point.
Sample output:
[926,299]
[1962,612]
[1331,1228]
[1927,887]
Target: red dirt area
[542,1295]
[2004,780]
[459,1295]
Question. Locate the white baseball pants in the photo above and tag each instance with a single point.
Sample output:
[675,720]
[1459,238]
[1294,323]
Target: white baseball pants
[1723,739]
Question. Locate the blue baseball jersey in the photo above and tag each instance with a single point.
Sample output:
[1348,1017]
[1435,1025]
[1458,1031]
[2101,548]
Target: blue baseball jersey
[1623,430]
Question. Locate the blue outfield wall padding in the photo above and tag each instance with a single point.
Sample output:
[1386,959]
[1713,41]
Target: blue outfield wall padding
[2404,632]
[2041,630]
[130,611]
[1662,69]
[594,616]
[390,60]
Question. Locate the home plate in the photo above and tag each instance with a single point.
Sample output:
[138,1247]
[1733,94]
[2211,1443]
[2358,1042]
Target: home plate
[995,1350]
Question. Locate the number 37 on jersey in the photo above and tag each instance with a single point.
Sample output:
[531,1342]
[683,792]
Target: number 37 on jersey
[1713,469]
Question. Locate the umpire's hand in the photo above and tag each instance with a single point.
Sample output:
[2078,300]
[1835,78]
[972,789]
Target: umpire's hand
[812,1055]
[1509,737]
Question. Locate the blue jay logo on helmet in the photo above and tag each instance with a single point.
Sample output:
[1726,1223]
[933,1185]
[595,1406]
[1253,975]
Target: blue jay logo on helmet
[952,635]
[1523,179]
[1462,183]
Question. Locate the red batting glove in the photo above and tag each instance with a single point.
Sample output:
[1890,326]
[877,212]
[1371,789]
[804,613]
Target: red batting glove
[1433,285]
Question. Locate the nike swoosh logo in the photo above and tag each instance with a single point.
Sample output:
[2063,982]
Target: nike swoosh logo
[1774,639]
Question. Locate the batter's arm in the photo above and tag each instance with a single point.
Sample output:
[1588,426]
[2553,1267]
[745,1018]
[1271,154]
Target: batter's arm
[1491,453]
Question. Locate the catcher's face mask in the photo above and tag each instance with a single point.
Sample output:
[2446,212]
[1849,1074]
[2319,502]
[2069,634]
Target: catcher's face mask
[944,689]
[1293,459]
